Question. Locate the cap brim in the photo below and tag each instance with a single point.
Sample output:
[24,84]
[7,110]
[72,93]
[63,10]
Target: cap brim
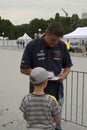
[50,75]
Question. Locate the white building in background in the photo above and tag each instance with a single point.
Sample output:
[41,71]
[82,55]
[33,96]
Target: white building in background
[84,15]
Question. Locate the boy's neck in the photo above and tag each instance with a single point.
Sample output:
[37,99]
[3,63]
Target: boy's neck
[38,90]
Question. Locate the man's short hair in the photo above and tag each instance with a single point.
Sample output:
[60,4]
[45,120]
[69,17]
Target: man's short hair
[56,29]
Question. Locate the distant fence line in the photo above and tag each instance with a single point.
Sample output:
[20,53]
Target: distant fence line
[7,42]
[75,95]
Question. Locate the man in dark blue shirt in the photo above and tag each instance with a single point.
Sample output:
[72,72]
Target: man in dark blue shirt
[50,53]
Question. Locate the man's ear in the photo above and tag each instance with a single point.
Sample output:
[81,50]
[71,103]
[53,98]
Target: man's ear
[46,32]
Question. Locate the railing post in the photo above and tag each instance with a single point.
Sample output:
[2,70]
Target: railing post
[77,99]
[71,95]
[66,102]
[82,100]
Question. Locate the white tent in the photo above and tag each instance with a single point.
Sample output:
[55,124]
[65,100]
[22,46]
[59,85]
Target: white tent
[1,38]
[80,33]
[25,37]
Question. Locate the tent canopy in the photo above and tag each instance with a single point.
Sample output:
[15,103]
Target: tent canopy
[80,32]
[3,38]
[25,37]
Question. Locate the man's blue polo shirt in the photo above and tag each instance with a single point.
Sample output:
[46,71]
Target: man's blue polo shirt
[38,54]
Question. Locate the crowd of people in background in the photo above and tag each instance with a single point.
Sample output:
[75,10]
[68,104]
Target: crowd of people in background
[79,48]
[21,43]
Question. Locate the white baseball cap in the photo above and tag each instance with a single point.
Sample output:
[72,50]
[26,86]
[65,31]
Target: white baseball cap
[39,74]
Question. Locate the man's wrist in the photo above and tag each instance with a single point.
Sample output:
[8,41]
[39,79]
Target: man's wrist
[65,74]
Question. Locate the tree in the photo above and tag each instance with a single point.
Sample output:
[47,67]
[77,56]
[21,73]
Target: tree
[20,30]
[13,32]
[83,22]
[7,27]
[75,21]
[57,17]
[36,24]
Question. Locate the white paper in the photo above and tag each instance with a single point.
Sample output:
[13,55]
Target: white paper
[54,78]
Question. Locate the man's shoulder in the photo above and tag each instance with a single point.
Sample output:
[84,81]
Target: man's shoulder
[35,42]
[61,45]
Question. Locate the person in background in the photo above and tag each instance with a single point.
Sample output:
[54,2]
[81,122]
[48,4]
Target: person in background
[83,47]
[18,43]
[23,43]
[50,53]
[40,110]
[68,45]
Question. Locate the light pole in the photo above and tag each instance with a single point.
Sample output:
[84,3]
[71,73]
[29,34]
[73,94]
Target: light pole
[3,37]
[35,36]
[39,30]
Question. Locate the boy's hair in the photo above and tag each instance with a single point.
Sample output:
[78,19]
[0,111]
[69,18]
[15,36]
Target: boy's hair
[56,29]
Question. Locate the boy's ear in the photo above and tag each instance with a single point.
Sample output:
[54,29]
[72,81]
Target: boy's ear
[45,82]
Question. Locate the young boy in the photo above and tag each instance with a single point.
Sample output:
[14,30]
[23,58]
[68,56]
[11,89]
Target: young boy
[40,110]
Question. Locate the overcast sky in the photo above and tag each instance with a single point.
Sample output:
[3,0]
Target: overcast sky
[23,11]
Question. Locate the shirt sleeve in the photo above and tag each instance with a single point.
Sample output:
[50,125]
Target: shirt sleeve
[56,108]
[67,62]
[23,106]
[27,58]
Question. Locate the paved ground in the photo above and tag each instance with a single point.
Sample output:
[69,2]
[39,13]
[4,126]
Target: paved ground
[13,87]
[70,126]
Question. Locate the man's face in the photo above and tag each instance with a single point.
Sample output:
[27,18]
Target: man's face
[51,39]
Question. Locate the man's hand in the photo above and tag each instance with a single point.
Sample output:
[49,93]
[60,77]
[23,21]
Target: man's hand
[62,77]
[64,74]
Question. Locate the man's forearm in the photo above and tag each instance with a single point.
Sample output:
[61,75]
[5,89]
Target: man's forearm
[25,71]
[66,71]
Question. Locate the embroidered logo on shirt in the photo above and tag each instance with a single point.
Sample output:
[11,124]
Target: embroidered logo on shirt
[57,55]
[41,55]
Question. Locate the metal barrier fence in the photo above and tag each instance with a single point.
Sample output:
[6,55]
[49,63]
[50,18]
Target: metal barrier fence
[75,95]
